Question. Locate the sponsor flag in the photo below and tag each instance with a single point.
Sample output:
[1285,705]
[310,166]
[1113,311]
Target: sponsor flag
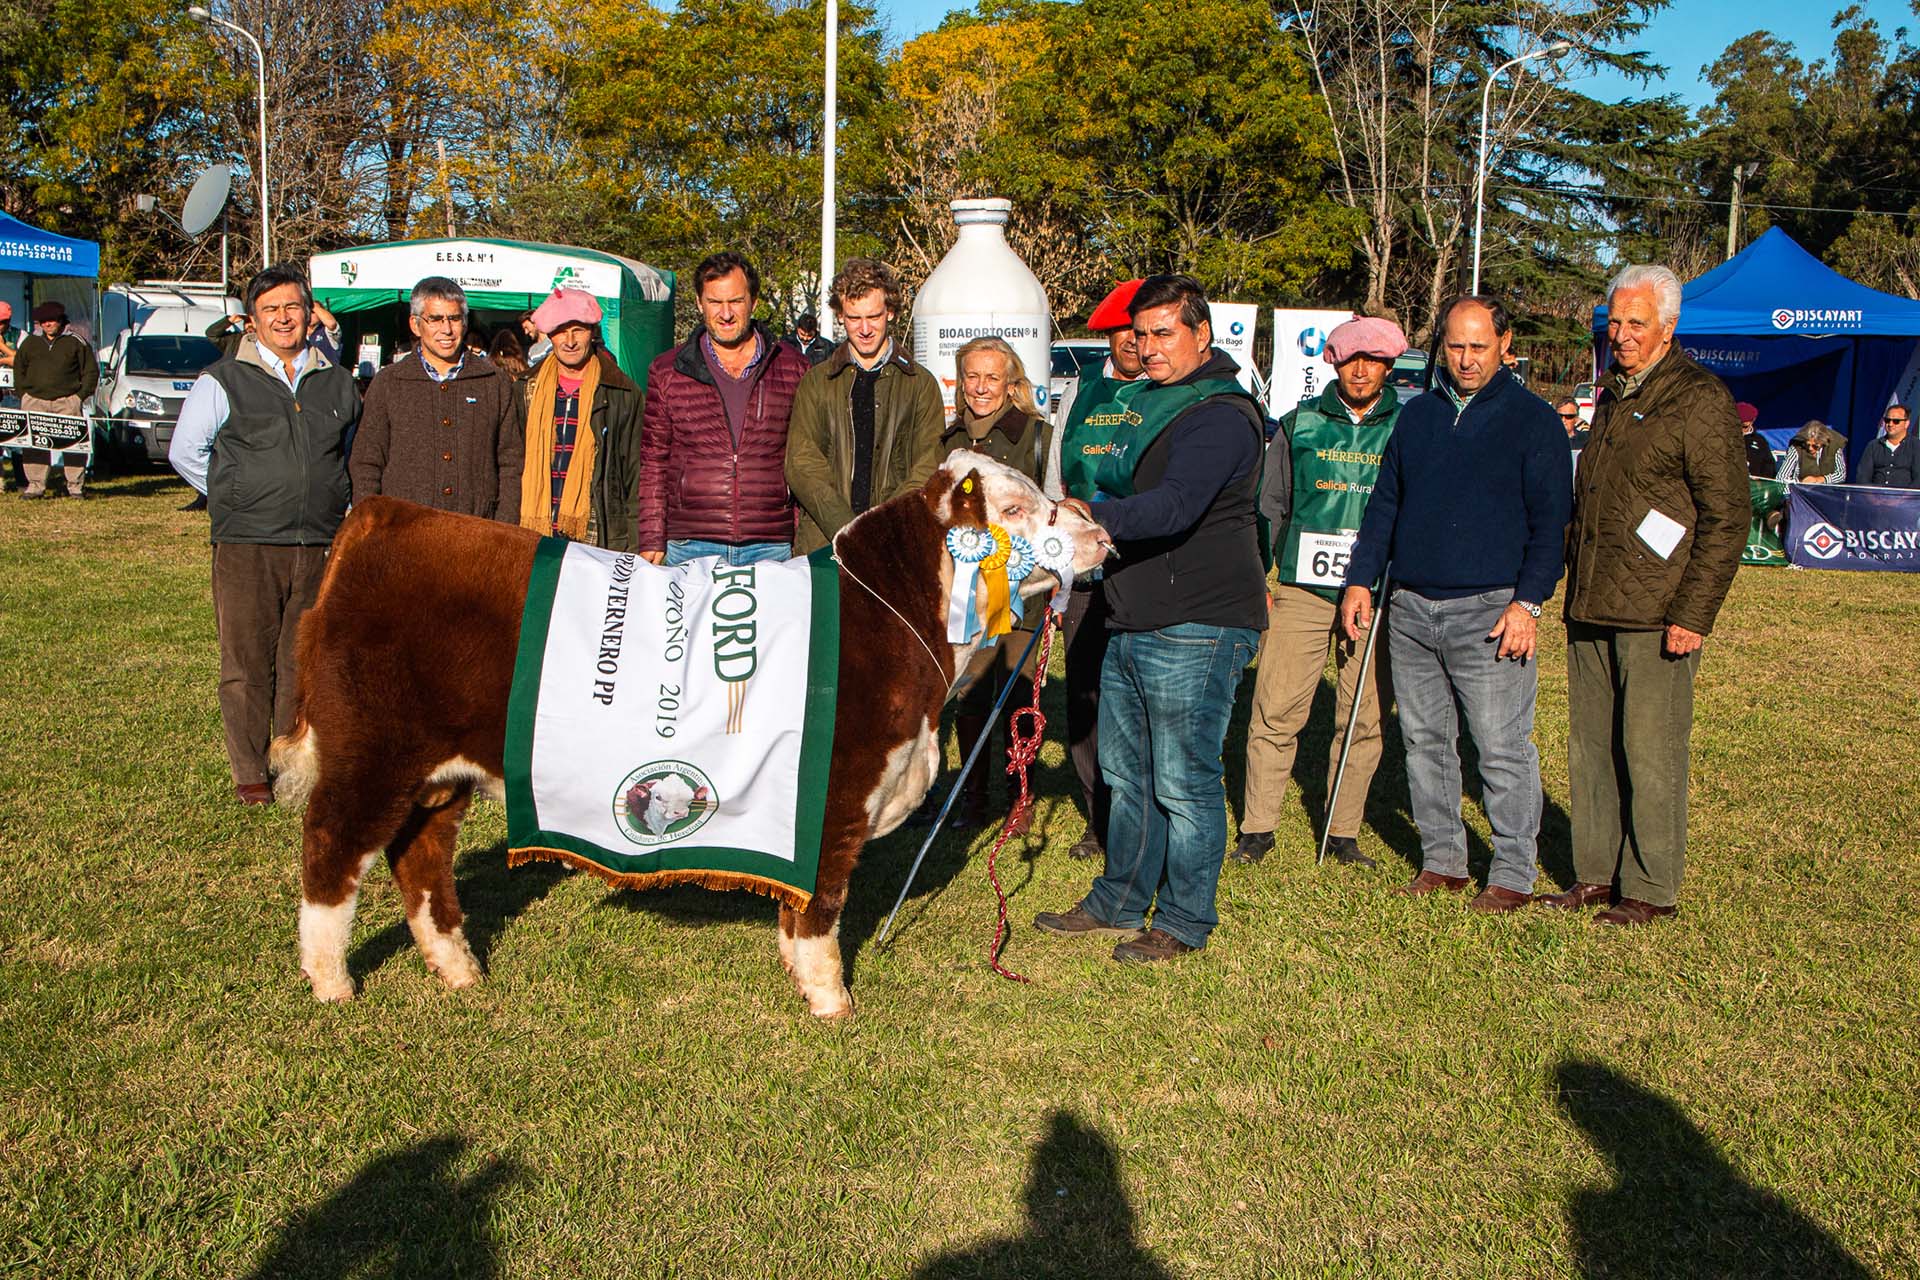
[674,725]
[1763,532]
[1847,526]
[1233,325]
[58,432]
[1298,371]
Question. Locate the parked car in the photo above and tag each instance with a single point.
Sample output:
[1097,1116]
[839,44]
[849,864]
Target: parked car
[1069,357]
[1408,377]
[1583,397]
[140,393]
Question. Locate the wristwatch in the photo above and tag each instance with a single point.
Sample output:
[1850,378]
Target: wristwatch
[1529,606]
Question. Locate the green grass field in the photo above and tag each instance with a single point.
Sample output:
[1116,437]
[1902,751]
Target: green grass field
[1344,1083]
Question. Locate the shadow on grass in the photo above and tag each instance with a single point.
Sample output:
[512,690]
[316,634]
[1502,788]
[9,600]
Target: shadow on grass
[1078,1220]
[403,1216]
[1676,1207]
[492,895]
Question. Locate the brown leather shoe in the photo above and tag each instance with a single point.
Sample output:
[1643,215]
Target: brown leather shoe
[253,792]
[1081,923]
[1631,911]
[1089,846]
[1154,944]
[1578,898]
[1430,882]
[1494,900]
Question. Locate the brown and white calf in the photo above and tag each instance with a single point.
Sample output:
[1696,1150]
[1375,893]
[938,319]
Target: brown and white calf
[407,657]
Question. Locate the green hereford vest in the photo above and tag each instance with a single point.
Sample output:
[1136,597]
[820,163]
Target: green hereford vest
[1335,466]
[1141,412]
[1097,409]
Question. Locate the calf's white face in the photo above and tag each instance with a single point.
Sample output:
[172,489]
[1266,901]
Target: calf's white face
[664,801]
[1017,504]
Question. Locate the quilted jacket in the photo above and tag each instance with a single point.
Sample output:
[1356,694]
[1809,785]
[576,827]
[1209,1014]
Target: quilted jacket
[1672,446]
[696,479]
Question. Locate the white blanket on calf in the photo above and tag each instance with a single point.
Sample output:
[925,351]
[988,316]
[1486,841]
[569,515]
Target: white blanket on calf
[674,725]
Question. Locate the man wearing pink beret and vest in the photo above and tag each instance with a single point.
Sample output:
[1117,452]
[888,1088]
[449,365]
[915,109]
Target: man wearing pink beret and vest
[581,477]
[1320,471]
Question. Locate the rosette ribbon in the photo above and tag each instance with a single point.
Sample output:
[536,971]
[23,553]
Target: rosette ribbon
[1053,551]
[993,572]
[1019,565]
[968,545]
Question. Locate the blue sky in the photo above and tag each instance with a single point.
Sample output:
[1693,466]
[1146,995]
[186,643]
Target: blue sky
[1684,38]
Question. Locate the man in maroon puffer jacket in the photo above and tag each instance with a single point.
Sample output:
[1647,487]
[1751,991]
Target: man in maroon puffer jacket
[713,441]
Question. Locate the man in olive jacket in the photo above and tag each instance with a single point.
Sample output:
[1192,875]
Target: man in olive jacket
[866,421]
[1660,516]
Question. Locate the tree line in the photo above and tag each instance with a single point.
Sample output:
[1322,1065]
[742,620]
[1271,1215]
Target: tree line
[1285,152]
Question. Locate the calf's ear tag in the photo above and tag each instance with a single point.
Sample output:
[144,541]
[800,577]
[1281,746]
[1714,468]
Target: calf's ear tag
[966,486]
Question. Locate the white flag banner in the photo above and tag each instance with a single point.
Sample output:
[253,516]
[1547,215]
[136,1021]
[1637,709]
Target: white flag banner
[1233,326]
[1298,371]
[674,725]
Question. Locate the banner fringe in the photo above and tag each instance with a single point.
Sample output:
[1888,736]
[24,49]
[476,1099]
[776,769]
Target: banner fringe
[785,894]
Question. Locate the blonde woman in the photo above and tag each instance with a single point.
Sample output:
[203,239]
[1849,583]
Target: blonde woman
[994,413]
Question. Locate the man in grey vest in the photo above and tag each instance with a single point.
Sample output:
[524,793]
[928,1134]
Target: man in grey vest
[263,435]
[1320,471]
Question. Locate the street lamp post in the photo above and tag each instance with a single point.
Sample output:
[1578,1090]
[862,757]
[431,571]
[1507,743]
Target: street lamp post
[1553,50]
[202,14]
[829,145]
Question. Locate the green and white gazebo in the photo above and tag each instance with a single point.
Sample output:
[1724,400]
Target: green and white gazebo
[501,277]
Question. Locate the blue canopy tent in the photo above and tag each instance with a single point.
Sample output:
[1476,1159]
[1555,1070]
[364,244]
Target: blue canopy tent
[38,266]
[1797,340]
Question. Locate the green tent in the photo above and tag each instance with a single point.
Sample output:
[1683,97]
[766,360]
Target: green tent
[502,277]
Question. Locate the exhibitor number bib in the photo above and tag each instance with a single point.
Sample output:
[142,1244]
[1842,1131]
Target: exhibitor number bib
[1322,559]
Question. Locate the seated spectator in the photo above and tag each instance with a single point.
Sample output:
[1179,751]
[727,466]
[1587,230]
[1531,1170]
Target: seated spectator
[1818,455]
[1760,463]
[1889,461]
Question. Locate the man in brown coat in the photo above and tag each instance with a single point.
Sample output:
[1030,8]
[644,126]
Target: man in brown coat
[866,422]
[440,429]
[1660,516]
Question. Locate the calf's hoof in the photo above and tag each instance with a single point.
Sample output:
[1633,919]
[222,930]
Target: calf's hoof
[331,989]
[832,1007]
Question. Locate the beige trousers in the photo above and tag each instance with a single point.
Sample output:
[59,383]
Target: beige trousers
[36,462]
[1293,655]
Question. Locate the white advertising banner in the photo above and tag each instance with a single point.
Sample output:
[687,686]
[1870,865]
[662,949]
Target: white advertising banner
[1298,371]
[937,340]
[1233,325]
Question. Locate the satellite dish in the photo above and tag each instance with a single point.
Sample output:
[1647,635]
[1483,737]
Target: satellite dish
[206,200]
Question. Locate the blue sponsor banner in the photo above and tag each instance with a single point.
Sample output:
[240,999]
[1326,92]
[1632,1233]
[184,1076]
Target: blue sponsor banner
[1853,527]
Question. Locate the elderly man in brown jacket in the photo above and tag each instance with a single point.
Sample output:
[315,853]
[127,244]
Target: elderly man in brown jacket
[1660,515]
[866,421]
[441,428]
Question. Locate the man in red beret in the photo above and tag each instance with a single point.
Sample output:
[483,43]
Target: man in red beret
[1320,471]
[1082,445]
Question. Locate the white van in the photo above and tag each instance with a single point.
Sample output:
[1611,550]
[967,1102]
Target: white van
[148,371]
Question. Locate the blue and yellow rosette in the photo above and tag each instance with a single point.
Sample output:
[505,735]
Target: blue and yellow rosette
[969,545]
[993,573]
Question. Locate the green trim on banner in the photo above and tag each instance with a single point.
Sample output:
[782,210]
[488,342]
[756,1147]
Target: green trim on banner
[536,617]
[823,704]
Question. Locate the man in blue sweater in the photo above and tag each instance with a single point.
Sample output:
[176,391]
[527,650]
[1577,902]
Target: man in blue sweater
[1186,601]
[1470,512]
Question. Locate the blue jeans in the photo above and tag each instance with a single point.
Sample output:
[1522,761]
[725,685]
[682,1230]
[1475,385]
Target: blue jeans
[1441,654]
[1165,698]
[681,550]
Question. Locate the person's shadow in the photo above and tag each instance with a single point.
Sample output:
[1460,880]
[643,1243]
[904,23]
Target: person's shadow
[1078,1220]
[1676,1207]
[402,1216]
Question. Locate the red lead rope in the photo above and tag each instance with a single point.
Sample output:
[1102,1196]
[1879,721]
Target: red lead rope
[1023,748]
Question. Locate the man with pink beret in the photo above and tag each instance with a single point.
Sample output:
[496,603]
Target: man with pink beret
[1320,470]
[581,477]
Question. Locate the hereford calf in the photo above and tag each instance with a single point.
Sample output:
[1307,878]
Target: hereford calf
[407,658]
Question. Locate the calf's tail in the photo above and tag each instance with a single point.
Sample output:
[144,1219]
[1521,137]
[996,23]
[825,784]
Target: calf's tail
[294,759]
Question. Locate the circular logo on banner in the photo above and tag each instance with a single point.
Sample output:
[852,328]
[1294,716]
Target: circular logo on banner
[663,801]
[1782,318]
[1237,328]
[1312,341]
[1822,541]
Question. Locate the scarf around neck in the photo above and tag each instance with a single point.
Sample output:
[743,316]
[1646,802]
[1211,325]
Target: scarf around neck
[536,478]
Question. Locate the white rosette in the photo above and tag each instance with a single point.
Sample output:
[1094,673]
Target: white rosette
[1053,551]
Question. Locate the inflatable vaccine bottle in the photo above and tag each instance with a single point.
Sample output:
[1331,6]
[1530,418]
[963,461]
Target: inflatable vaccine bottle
[982,288]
